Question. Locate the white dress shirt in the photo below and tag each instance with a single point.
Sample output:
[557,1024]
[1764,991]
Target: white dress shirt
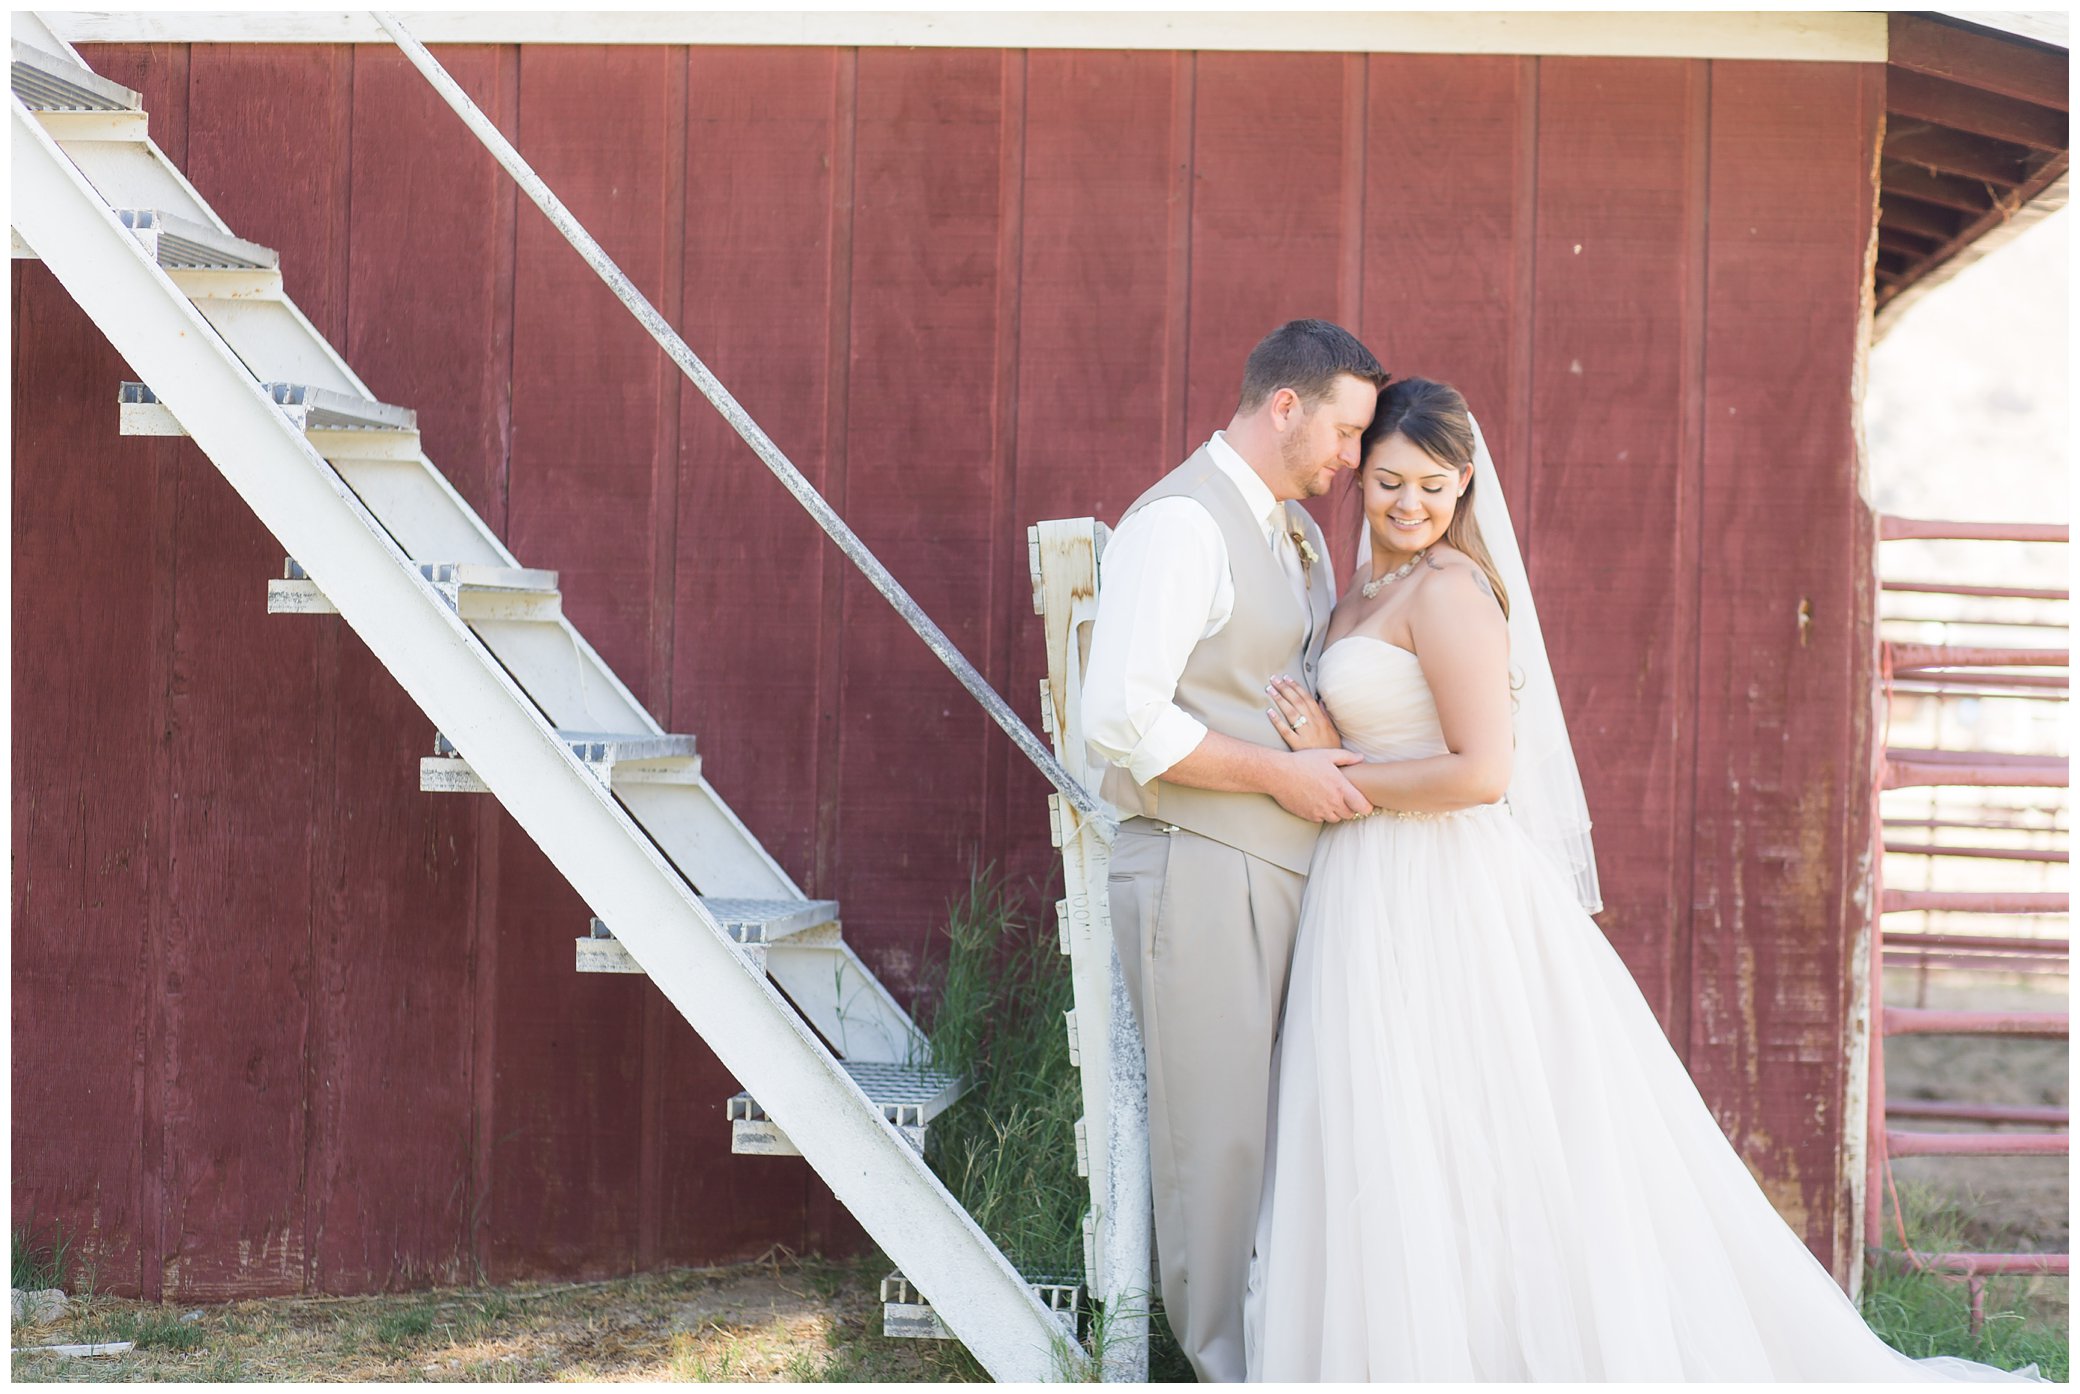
[1166,586]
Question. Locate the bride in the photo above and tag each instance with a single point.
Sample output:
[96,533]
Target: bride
[1486,1162]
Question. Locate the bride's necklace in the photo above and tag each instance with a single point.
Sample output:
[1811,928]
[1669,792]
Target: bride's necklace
[1378,584]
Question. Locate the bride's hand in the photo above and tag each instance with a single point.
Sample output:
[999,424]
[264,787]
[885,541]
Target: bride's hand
[1301,721]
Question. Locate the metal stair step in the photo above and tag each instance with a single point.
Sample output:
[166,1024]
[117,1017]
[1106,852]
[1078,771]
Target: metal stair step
[309,408]
[180,242]
[908,1096]
[479,593]
[46,82]
[616,757]
[754,925]
[906,1313]
[764,921]
[835,992]
[297,594]
[206,263]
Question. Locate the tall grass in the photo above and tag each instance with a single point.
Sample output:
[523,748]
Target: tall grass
[41,1263]
[1923,1314]
[1007,1150]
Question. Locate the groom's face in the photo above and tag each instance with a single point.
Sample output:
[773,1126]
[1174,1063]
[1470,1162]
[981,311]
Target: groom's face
[1316,442]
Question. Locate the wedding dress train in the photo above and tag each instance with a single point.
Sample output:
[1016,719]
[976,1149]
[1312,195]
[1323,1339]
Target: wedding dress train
[1487,1161]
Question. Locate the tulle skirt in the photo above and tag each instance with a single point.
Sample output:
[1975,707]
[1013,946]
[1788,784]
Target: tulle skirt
[1487,1163]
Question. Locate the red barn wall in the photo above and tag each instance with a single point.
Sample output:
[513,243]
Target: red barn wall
[281,1023]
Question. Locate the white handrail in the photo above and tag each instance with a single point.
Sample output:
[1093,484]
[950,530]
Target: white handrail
[740,421]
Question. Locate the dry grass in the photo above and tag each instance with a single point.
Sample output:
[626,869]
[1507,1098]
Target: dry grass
[778,1320]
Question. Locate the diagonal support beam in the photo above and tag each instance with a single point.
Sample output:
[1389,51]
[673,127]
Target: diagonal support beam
[741,422]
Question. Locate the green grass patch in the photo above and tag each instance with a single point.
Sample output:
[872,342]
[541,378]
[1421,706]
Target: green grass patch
[164,1330]
[41,1262]
[403,1327]
[146,1328]
[1926,1314]
[482,1316]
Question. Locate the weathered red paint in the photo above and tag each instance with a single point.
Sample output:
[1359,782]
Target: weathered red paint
[328,1026]
[411,861]
[1783,807]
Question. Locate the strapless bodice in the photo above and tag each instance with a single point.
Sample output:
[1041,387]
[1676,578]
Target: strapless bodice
[1376,693]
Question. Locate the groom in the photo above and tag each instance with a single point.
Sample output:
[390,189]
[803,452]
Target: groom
[1214,582]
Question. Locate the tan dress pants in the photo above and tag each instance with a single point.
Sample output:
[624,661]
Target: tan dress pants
[1205,935]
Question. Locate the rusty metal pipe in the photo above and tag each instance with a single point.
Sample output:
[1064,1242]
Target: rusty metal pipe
[1992,943]
[1892,528]
[1908,768]
[1948,691]
[1900,657]
[1930,1021]
[2055,1265]
[1905,1144]
[2002,680]
[2001,592]
[1953,1111]
[1977,902]
[2005,854]
[1975,825]
[2020,965]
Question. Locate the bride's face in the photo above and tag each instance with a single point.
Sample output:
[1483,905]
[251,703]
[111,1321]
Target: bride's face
[1409,495]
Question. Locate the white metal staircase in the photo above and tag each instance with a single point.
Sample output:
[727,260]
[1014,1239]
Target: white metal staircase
[523,708]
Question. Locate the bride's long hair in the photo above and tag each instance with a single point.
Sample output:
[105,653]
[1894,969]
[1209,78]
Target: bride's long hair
[1433,417]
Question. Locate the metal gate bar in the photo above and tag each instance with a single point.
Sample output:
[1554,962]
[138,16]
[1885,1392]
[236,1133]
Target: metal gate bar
[1935,670]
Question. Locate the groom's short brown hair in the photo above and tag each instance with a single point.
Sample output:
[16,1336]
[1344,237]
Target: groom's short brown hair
[1307,355]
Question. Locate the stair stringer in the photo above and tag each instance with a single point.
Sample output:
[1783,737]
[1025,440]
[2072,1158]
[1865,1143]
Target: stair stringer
[455,679]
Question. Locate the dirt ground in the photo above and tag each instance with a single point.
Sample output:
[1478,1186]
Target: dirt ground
[2017,1203]
[778,1320]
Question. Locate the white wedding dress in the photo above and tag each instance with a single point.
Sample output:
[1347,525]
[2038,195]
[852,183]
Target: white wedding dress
[1487,1162]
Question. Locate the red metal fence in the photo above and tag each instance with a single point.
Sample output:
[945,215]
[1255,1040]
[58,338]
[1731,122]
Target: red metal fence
[1943,671]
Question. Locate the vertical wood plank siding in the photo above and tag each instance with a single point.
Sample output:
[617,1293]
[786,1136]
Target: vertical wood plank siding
[90,902]
[1784,624]
[763,249]
[282,1023]
[600,125]
[253,801]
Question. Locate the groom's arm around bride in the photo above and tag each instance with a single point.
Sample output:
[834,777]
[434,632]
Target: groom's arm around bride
[1215,581]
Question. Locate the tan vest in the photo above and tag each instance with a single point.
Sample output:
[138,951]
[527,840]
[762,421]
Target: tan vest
[1223,681]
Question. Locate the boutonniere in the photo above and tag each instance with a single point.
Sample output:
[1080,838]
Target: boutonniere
[1308,555]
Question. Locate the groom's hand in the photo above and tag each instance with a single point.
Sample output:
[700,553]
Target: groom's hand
[1312,786]
[1309,784]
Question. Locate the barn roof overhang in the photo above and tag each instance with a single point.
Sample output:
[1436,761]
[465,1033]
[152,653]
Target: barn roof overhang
[1976,143]
[1844,36]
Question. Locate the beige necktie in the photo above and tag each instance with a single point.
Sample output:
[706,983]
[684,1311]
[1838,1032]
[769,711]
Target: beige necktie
[1288,553]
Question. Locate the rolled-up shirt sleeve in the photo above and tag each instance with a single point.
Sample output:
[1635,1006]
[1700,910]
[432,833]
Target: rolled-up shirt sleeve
[1160,595]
